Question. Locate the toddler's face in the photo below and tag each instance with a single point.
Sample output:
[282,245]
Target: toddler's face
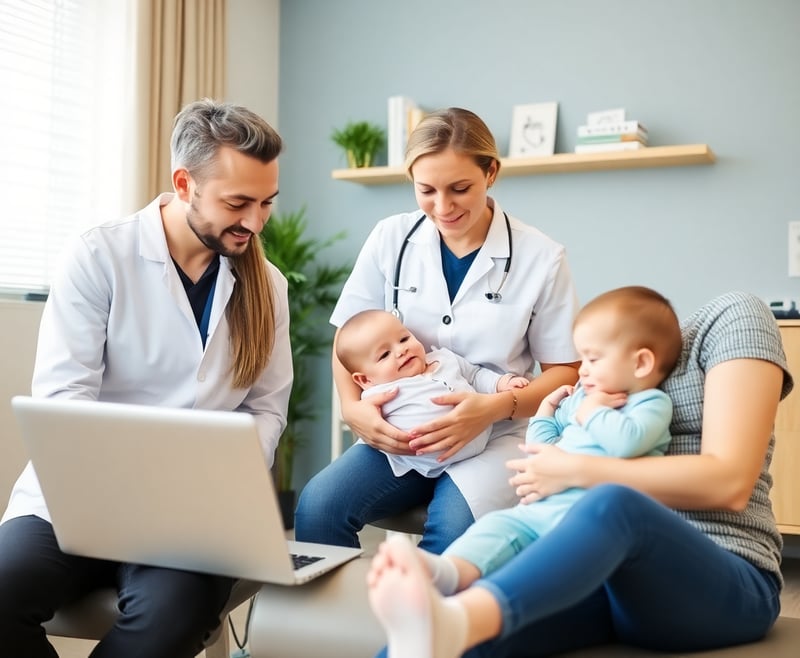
[607,365]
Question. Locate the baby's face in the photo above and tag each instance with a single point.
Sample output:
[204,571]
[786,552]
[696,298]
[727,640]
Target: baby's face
[392,353]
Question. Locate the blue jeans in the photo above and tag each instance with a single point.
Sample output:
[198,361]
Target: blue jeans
[359,488]
[163,612]
[621,567]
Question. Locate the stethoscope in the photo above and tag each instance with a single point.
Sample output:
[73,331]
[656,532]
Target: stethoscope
[493,296]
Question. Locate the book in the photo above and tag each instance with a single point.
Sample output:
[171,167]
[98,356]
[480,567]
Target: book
[603,117]
[403,118]
[415,115]
[618,128]
[609,146]
[621,137]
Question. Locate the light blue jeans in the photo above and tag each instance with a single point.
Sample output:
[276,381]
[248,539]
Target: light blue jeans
[359,487]
[622,567]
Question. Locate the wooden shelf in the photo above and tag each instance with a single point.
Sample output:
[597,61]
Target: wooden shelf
[653,156]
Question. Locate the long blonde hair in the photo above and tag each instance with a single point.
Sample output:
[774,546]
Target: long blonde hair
[199,130]
[251,315]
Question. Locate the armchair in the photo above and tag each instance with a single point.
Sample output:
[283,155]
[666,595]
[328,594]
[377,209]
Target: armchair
[93,616]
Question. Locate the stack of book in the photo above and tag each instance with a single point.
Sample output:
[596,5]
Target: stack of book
[611,136]
[404,115]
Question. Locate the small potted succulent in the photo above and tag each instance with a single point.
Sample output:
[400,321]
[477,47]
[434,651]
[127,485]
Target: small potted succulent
[361,141]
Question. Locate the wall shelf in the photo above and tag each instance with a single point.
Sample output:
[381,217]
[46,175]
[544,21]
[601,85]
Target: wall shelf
[653,156]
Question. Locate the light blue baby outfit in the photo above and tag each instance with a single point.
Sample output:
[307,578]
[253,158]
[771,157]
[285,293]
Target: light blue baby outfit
[639,428]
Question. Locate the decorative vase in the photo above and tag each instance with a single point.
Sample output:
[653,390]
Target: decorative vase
[357,161]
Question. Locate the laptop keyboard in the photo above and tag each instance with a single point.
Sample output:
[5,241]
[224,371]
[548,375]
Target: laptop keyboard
[301,561]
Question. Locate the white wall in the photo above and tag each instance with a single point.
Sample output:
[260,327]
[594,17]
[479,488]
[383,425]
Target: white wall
[19,326]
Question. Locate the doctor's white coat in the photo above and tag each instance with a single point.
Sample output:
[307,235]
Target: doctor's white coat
[532,323]
[118,327]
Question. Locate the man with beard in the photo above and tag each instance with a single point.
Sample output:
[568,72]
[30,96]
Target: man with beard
[173,306]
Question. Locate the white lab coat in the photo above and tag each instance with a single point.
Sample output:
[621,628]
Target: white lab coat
[118,327]
[532,323]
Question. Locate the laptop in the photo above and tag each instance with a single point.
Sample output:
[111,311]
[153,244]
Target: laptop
[181,488]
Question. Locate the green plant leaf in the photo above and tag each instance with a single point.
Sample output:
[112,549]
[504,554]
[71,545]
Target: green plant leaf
[313,289]
[361,141]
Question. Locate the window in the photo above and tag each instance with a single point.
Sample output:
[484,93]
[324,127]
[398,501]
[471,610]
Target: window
[61,155]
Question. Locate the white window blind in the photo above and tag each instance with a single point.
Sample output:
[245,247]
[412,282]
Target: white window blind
[51,52]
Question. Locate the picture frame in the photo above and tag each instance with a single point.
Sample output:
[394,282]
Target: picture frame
[533,130]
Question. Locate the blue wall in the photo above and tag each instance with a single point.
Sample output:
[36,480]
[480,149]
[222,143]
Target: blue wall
[721,72]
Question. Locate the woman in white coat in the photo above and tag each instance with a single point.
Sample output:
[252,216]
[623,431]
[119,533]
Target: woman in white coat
[465,276]
[173,306]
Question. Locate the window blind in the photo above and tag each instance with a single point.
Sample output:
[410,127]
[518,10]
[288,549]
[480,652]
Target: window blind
[49,54]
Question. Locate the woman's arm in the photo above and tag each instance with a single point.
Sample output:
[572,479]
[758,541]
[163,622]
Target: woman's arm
[739,405]
[554,375]
[474,412]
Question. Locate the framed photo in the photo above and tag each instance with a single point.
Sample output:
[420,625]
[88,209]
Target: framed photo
[533,130]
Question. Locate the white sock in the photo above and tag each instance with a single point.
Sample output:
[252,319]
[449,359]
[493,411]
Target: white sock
[444,574]
[418,621]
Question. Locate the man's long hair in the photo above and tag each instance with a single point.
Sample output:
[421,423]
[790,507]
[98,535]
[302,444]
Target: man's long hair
[200,129]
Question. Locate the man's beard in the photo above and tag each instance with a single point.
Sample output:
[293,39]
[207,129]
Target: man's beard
[195,220]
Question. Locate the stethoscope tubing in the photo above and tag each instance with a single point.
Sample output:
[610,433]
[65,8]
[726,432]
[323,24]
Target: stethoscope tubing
[493,296]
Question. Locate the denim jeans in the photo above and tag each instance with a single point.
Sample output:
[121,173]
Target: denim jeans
[359,487]
[621,567]
[164,613]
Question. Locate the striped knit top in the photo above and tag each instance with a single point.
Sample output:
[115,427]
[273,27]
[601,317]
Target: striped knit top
[733,326]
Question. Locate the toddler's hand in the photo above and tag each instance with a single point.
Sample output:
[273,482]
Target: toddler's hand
[552,400]
[597,399]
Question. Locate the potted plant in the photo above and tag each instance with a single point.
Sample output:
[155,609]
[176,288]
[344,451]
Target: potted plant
[361,141]
[313,291]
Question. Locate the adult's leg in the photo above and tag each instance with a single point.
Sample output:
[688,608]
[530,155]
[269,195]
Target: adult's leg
[164,613]
[449,516]
[669,586]
[422,624]
[36,579]
[587,624]
[357,488]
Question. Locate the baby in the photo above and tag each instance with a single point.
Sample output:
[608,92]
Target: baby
[381,354]
[629,340]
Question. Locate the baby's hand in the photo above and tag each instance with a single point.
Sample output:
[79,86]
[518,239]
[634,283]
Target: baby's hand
[518,382]
[509,381]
